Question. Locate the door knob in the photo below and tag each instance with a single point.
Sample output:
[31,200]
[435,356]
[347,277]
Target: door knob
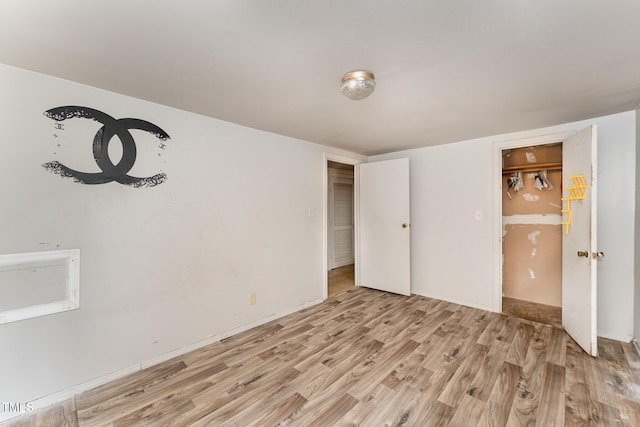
[405,225]
[596,255]
[583,253]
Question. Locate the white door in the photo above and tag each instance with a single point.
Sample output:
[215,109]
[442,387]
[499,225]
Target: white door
[579,245]
[341,222]
[384,230]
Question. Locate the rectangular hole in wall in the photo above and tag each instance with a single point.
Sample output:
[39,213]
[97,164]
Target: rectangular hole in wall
[38,283]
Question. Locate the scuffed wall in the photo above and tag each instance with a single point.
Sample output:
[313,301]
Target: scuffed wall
[636,319]
[162,267]
[532,234]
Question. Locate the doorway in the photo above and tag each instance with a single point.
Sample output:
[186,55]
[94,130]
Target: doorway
[532,233]
[340,227]
[580,252]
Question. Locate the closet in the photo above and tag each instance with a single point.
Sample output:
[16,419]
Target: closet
[532,232]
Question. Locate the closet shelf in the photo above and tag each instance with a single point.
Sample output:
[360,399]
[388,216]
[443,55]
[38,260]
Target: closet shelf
[532,167]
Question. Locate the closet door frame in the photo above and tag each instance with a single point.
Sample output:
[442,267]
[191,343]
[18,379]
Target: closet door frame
[498,148]
[356,160]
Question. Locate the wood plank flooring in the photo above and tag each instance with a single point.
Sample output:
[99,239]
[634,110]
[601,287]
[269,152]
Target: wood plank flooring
[369,358]
[341,279]
[533,311]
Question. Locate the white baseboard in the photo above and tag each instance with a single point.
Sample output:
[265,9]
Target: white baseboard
[609,336]
[61,396]
[215,338]
[454,301]
[66,394]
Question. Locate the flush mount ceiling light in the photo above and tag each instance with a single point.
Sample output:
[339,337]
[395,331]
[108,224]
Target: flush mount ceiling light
[358,85]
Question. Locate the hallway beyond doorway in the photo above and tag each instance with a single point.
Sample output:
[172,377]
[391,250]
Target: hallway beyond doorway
[341,280]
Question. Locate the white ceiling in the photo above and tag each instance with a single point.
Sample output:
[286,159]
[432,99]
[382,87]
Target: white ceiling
[446,70]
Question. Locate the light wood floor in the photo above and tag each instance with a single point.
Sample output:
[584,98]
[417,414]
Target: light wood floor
[341,279]
[369,358]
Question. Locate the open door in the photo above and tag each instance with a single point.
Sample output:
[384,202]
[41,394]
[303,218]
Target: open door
[384,226]
[579,243]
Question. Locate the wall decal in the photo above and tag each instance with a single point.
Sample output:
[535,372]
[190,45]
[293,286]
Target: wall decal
[110,128]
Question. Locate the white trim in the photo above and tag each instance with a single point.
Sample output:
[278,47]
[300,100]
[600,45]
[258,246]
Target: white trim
[497,201]
[455,301]
[72,283]
[325,216]
[215,338]
[61,396]
[615,337]
[58,397]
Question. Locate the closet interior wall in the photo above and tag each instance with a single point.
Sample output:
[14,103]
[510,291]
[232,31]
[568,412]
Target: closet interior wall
[531,229]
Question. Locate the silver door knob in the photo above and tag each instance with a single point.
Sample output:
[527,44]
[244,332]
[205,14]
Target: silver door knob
[596,255]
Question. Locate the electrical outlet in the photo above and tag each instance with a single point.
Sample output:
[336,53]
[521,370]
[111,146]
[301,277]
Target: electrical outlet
[252,298]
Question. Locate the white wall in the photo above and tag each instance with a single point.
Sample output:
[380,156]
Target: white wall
[161,267]
[616,212]
[636,318]
[452,253]
[450,250]
[165,267]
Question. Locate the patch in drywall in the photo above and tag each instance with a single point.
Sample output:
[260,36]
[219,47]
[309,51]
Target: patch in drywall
[532,274]
[634,388]
[532,219]
[531,197]
[111,127]
[533,236]
[531,158]
[518,258]
[542,219]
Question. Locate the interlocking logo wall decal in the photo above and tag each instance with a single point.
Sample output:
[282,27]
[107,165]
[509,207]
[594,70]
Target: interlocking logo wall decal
[110,127]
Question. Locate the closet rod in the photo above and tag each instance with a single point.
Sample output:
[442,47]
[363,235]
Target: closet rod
[533,168]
